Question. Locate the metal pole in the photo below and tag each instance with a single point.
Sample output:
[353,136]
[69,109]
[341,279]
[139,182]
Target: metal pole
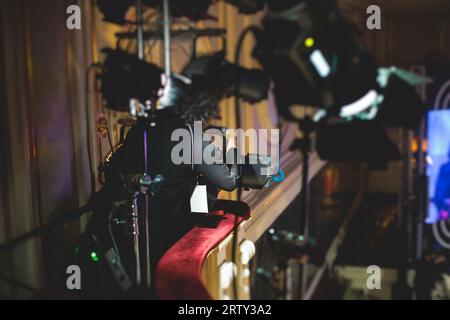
[146,213]
[304,215]
[167,39]
[135,236]
[140,29]
[306,126]
[146,218]
[422,192]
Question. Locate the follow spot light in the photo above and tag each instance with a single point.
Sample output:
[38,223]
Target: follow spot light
[124,76]
[314,57]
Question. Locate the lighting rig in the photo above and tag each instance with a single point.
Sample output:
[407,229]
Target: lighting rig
[306,48]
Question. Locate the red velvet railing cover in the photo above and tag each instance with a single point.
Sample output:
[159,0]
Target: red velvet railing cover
[179,272]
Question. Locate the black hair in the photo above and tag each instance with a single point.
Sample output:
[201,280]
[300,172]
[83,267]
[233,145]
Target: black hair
[201,102]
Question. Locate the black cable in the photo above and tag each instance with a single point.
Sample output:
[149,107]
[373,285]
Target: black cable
[238,125]
[17,284]
[237,100]
[90,159]
[75,214]
[234,255]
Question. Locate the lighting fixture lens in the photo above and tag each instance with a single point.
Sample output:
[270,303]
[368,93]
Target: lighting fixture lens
[309,42]
[320,63]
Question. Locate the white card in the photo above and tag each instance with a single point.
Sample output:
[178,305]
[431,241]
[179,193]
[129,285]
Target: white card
[199,200]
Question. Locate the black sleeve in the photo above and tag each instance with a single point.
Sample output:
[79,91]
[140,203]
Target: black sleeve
[219,174]
[224,177]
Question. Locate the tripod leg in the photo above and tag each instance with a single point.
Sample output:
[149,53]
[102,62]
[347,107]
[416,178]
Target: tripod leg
[148,280]
[146,219]
[135,236]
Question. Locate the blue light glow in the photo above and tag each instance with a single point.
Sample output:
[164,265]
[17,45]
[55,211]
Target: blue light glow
[437,162]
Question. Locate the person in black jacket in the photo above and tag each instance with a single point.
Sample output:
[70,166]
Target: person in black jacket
[170,216]
[169,209]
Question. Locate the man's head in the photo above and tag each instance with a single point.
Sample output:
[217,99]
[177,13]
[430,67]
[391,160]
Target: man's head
[201,102]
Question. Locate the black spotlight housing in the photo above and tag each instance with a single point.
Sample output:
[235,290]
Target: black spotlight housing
[124,76]
[355,141]
[401,107]
[228,79]
[313,56]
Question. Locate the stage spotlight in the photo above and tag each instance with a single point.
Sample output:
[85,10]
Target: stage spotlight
[126,77]
[204,81]
[360,135]
[224,77]
[401,106]
[314,57]
[355,141]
